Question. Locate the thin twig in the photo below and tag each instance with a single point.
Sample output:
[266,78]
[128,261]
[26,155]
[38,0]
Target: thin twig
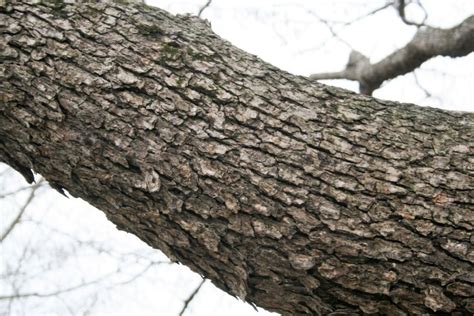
[372,12]
[204,7]
[401,5]
[334,32]
[140,273]
[4,195]
[329,27]
[57,292]
[15,221]
[425,91]
[190,298]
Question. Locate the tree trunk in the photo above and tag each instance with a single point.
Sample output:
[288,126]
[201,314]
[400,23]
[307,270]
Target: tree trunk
[298,197]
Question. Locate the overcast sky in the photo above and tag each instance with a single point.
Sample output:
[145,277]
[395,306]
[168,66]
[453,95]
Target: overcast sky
[290,35]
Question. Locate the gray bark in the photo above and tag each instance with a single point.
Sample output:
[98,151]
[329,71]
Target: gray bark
[298,197]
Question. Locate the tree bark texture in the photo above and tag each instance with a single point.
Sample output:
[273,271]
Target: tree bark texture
[301,198]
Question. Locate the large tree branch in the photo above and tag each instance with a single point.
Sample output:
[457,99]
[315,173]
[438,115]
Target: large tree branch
[427,43]
[298,197]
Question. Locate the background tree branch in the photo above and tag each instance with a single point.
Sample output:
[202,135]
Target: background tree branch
[204,7]
[22,210]
[191,297]
[427,43]
[401,8]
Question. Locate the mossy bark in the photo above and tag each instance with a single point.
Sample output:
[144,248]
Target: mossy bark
[298,197]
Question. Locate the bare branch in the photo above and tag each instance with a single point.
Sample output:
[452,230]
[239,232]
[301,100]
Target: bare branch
[372,12]
[4,195]
[330,28]
[417,82]
[427,43]
[204,7]
[335,33]
[16,220]
[401,5]
[140,273]
[190,298]
[57,292]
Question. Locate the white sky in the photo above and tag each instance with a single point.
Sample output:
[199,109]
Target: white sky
[287,34]
[68,242]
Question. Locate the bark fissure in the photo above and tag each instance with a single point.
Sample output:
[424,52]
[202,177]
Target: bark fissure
[300,198]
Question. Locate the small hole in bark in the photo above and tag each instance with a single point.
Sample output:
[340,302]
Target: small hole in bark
[133,165]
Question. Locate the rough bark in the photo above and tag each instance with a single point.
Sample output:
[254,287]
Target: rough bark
[298,197]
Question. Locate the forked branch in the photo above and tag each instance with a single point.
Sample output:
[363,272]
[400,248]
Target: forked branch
[427,43]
